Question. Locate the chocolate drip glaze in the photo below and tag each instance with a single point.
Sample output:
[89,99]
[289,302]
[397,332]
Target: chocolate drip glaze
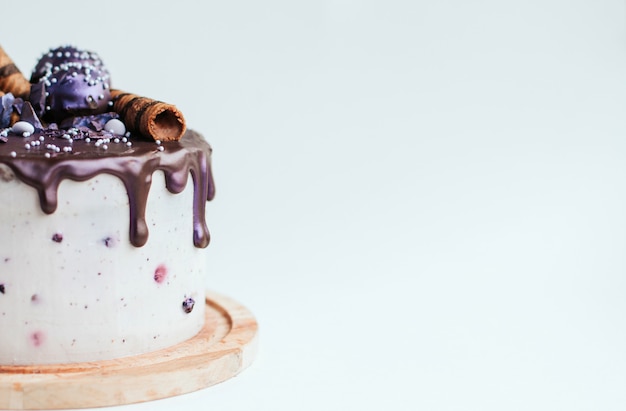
[133,165]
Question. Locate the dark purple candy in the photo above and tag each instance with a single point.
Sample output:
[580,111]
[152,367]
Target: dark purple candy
[76,81]
[2,290]
[28,114]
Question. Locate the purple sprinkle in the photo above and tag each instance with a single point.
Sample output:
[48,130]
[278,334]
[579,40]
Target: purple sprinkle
[2,289]
[57,237]
[109,242]
[188,305]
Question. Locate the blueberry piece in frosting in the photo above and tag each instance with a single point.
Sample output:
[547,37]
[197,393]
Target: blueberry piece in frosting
[188,305]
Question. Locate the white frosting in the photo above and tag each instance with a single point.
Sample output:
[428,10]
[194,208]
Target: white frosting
[81,300]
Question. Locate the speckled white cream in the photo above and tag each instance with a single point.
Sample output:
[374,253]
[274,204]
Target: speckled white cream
[81,300]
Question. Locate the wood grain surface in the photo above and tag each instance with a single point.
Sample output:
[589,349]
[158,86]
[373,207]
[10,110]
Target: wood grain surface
[226,345]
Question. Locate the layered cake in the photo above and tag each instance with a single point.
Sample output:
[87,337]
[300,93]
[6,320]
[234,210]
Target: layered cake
[102,220]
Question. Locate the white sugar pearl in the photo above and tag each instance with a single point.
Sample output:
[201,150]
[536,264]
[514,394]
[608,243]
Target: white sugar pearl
[22,127]
[115,126]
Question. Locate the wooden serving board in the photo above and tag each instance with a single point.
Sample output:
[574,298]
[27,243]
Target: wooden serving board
[226,345]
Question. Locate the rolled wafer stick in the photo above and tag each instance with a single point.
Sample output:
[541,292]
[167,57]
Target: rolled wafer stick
[11,78]
[151,118]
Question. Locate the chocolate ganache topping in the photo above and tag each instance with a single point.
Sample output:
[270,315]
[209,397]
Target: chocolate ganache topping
[133,164]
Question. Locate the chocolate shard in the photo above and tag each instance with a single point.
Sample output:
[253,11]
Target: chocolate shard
[37,98]
[93,122]
[29,115]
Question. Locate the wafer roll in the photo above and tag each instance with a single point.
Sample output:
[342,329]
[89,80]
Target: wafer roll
[11,78]
[151,118]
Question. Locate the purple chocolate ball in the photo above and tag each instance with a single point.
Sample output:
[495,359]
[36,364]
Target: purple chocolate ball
[76,83]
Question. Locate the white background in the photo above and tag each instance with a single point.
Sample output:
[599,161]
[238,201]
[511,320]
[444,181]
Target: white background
[423,202]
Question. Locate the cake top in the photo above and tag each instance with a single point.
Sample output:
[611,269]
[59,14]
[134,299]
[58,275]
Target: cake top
[69,84]
[67,123]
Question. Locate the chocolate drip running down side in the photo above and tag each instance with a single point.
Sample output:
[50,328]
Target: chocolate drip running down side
[134,166]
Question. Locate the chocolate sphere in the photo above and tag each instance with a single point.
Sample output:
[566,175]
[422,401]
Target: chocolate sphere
[76,83]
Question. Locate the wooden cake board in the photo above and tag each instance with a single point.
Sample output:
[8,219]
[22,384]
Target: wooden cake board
[225,346]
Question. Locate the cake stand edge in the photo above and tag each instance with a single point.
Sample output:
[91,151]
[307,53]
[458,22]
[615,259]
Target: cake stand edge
[199,364]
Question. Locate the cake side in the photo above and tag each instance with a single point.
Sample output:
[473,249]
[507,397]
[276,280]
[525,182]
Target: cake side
[103,218]
[74,284]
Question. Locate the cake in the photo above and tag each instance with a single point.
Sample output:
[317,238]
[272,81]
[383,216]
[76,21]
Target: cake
[102,216]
